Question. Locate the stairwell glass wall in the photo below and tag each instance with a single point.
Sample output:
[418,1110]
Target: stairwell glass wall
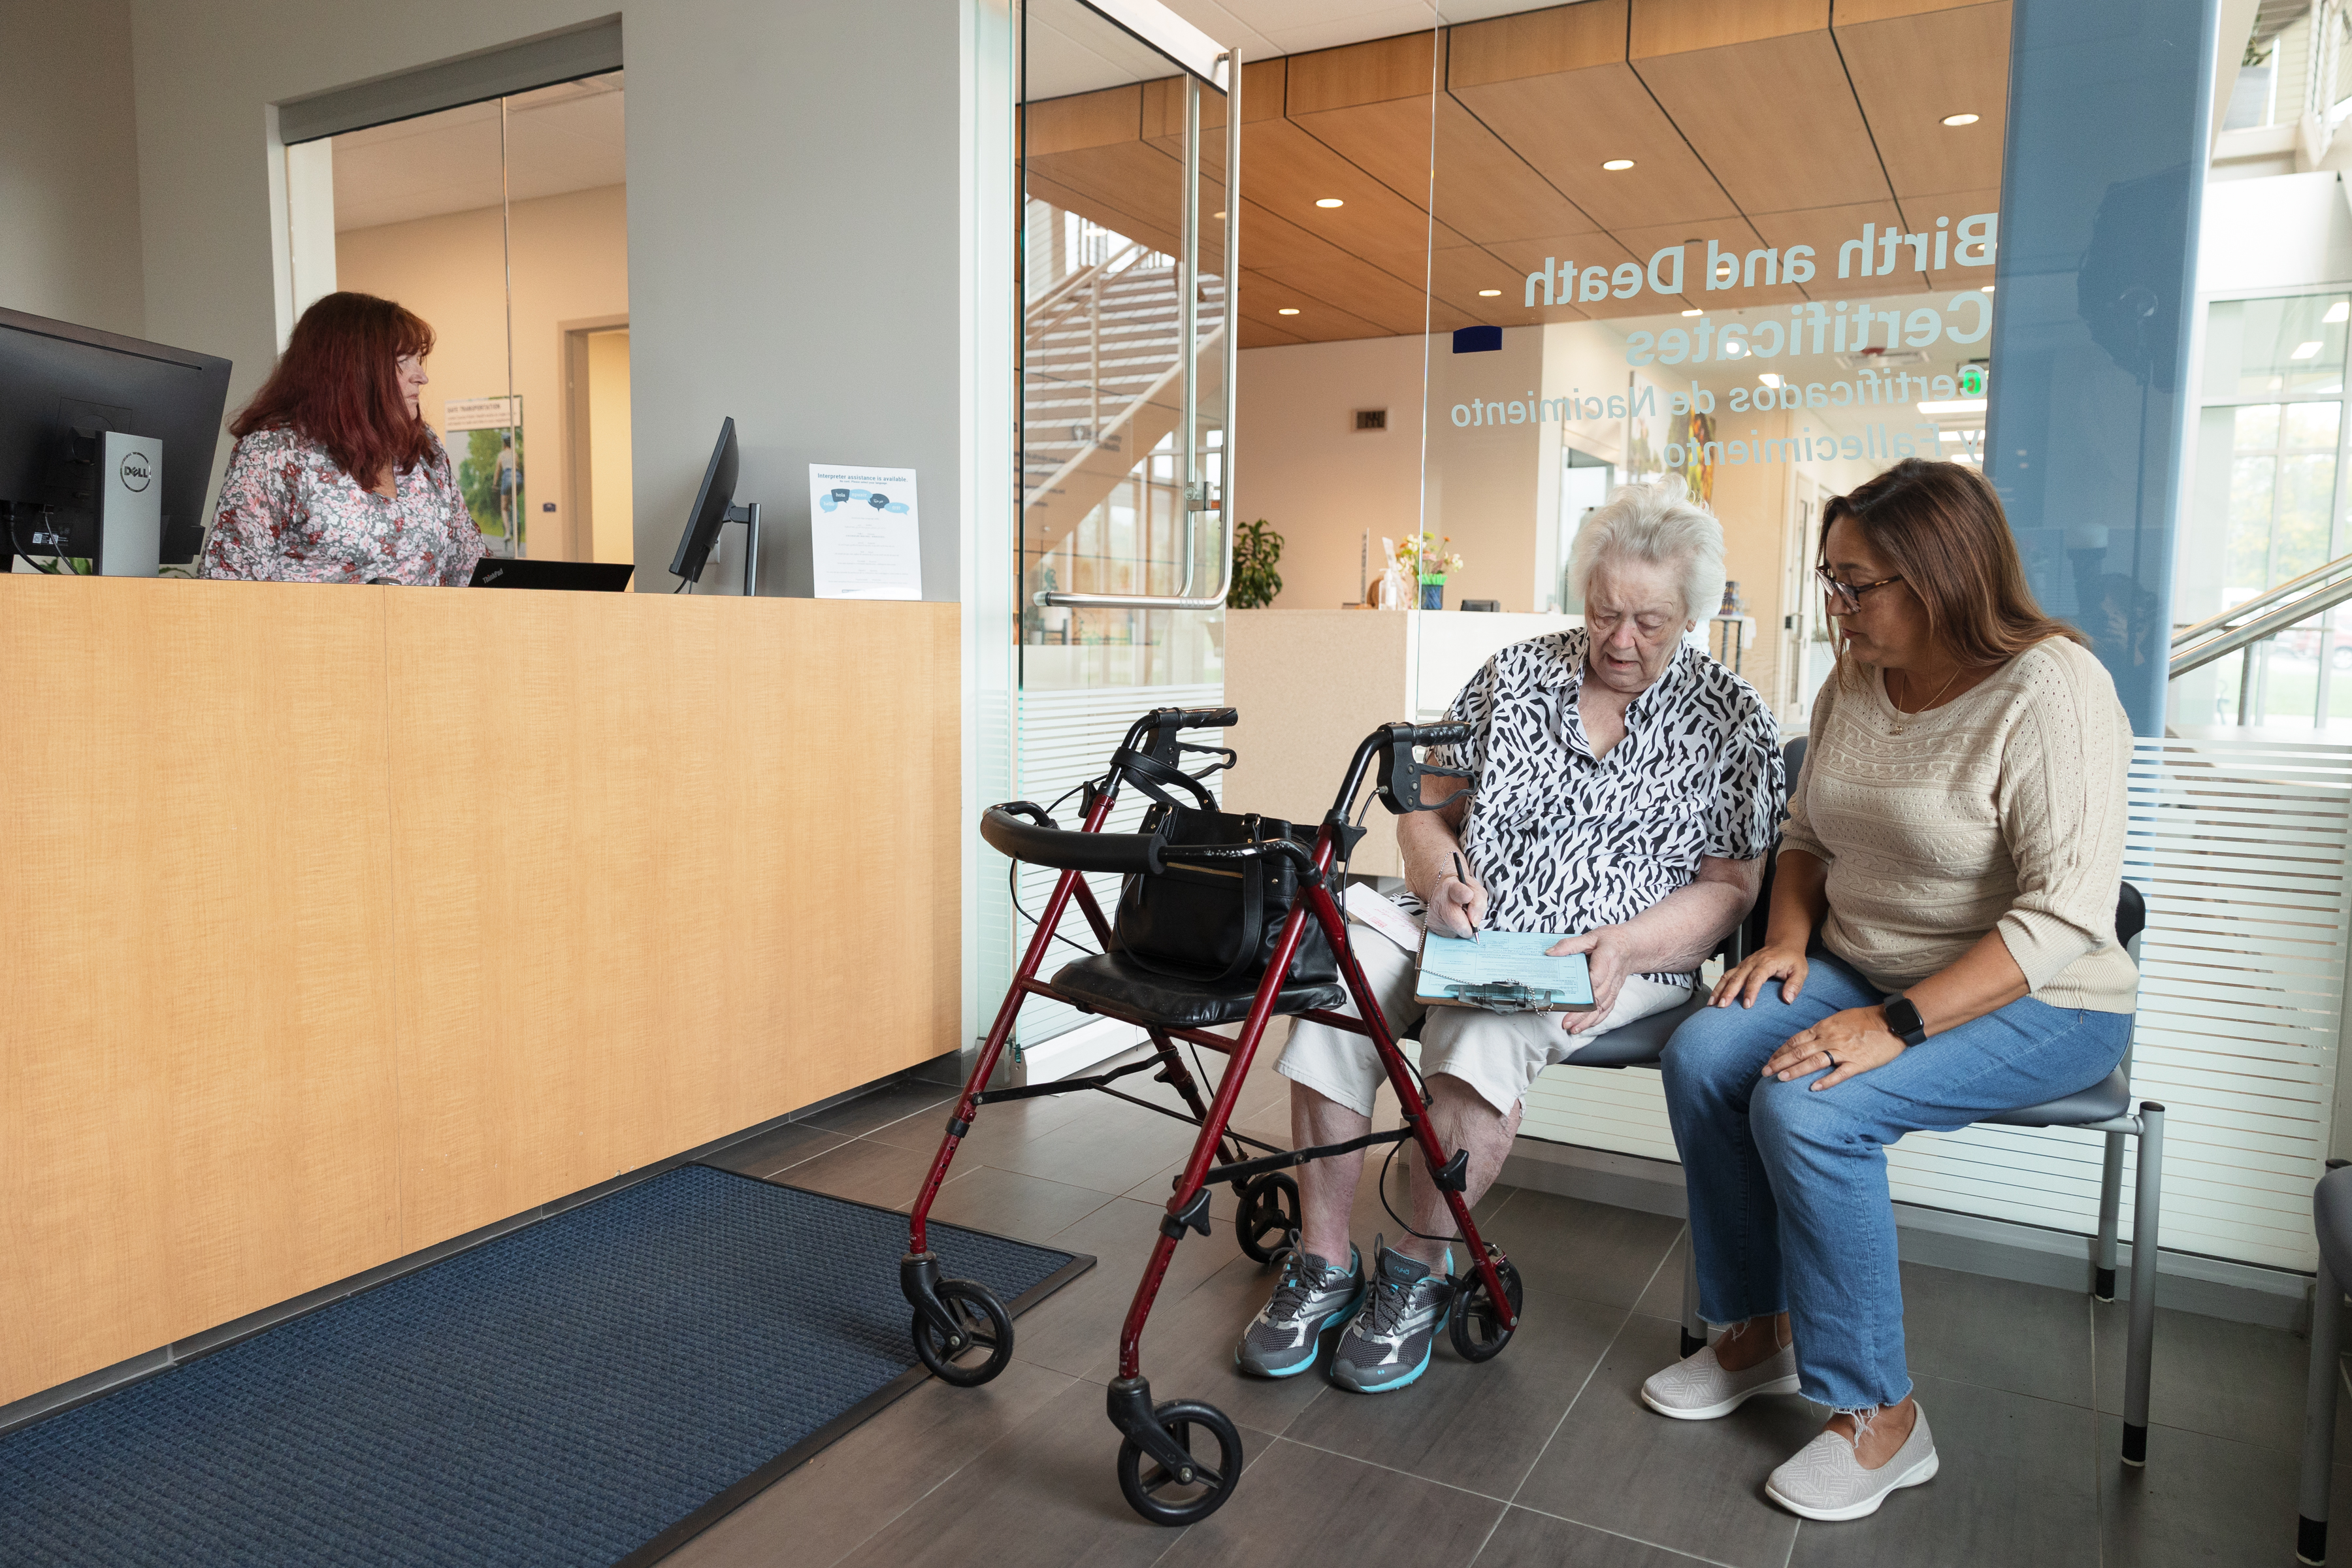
[1113,500]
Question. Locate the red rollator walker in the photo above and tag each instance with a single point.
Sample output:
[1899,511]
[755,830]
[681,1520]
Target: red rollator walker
[1182,1458]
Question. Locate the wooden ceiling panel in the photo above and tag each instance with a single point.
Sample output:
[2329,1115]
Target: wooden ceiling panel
[1087,120]
[1320,318]
[1852,12]
[1485,190]
[1162,109]
[1456,276]
[1567,124]
[1536,43]
[1361,289]
[1911,71]
[1287,171]
[1774,119]
[1681,26]
[1381,71]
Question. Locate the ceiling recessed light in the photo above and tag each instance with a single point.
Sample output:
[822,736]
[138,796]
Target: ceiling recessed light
[1616,164]
[1329,202]
[1942,406]
[2306,350]
[1287,311]
[1769,379]
[1216,215]
[2338,311]
[1694,312]
[1489,293]
[1957,120]
[1987,289]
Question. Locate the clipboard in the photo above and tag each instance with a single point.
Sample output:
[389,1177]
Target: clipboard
[1502,972]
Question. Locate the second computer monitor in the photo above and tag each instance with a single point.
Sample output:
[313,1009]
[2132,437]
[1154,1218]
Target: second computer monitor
[711,504]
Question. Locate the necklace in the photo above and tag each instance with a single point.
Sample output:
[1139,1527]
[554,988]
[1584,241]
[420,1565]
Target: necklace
[1900,715]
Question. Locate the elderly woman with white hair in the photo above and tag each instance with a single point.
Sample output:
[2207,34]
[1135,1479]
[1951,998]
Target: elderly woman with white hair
[1628,787]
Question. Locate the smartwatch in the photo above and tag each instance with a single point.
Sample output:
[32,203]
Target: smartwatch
[1903,1021]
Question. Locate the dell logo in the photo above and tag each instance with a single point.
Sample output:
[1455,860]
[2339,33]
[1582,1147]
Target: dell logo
[136,472]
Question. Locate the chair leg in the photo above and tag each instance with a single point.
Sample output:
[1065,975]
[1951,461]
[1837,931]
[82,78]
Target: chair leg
[2111,1203]
[2319,1417]
[2147,1204]
[1694,1326]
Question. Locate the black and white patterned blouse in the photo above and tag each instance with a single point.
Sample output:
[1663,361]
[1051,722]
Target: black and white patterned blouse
[1565,841]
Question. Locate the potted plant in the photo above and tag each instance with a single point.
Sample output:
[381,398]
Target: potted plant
[1424,561]
[1257,548]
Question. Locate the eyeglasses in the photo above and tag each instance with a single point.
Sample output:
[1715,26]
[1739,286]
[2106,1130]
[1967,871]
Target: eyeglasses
[1849,594]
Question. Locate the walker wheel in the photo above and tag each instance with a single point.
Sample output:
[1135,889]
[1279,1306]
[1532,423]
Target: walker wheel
[982,1344]
[1184,1498]
[1472,1324]
[1269,1213]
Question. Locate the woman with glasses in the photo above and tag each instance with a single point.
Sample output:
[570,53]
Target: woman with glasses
[1941,947]
[336,478]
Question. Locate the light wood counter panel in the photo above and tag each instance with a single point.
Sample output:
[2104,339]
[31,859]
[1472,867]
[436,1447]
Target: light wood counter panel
[347,920]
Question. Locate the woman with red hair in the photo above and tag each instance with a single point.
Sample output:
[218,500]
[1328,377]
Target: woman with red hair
[336,478]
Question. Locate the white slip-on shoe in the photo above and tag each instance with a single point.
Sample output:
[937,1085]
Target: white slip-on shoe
[1824,1480]
[1696,1388]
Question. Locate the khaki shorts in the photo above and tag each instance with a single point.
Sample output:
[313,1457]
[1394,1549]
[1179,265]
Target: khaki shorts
[1496,1053]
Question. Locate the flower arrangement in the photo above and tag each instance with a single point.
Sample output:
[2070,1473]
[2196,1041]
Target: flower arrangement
[1416,570]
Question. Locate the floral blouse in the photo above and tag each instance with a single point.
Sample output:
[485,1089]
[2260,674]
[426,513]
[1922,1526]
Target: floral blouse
[288,513]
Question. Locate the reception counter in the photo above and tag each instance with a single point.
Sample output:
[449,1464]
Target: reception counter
[341,921]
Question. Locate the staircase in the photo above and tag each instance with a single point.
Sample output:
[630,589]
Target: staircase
[1102,385]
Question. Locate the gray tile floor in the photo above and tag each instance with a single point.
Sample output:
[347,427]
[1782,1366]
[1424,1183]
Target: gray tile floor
[1543,1455]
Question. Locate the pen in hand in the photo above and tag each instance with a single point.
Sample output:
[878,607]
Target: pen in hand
[1463,873]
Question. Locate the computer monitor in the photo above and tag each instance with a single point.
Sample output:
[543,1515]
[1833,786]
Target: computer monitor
[62,389]
[711,504]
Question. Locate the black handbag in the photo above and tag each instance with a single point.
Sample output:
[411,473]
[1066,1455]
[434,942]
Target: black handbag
[1218,923]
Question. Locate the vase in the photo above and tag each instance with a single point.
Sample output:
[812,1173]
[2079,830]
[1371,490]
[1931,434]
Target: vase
[1390,592]
[1433,592]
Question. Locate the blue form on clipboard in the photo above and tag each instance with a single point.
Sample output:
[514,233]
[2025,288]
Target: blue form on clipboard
[1505,971]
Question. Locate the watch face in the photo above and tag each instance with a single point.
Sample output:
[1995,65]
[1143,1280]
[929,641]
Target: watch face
[1903,1017]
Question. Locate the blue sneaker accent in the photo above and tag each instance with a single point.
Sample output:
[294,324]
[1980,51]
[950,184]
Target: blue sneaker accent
[1310,1299]
[1387,1345]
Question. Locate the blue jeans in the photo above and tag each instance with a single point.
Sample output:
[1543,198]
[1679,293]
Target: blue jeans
[1789,1204]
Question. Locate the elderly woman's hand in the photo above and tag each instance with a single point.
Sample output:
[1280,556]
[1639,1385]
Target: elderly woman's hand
[1456,908]
[1746,980]
[1846,1043]
[1609,959]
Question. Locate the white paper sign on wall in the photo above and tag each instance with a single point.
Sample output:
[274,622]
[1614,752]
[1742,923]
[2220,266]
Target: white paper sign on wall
[863,532]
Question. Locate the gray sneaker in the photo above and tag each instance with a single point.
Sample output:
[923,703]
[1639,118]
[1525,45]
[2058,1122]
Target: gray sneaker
[1310,1298]
[1823,1479]
[1387,1346]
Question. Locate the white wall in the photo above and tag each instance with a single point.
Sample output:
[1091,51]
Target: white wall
[69,164]
[1301,463]
[1323,484]
[793,174]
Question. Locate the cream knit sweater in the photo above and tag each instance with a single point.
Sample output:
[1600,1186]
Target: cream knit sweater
[2002,810]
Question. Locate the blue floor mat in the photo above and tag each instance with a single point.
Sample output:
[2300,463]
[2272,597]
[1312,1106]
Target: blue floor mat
[564,1394]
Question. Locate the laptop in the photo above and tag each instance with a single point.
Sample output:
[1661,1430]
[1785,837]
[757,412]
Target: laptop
[578,576]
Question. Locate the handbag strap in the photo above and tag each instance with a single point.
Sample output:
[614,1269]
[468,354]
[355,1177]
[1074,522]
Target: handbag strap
[1151,776]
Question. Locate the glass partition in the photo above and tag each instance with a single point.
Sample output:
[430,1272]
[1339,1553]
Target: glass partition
[504,225]
[1122,235]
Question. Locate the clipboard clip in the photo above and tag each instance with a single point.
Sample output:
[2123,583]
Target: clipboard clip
[1506,997]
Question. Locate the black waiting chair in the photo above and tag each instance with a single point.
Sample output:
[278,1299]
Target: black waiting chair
[2105,1107]
[2331,1216]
